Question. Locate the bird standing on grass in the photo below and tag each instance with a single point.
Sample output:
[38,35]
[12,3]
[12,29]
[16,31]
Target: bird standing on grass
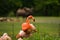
[27,28]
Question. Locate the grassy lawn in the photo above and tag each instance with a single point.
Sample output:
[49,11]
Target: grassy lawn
[48,28]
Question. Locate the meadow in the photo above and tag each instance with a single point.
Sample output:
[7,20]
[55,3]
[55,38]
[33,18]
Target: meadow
[48,28]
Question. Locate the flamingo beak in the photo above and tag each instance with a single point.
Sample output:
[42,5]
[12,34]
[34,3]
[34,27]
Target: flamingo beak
[34,20]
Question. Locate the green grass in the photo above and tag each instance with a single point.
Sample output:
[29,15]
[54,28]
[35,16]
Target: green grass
[48,28]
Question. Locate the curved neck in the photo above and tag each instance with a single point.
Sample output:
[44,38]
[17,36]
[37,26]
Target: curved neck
[27,20]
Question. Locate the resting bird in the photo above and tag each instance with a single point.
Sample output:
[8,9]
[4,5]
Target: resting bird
[5,37]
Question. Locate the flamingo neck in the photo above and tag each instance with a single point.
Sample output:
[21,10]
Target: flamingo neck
[27,21]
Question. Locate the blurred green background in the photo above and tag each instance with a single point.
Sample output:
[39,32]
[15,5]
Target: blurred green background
[41,7]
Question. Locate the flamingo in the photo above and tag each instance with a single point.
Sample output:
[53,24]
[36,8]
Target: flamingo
[5,37]
[26,25]
[27,28]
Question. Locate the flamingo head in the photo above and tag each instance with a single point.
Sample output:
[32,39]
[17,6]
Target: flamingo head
[31,17]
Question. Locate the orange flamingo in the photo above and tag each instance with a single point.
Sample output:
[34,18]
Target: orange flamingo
[27,27]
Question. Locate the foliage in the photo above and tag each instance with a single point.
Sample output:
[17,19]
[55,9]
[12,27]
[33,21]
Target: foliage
[5,7]
[47,8]
[41,7]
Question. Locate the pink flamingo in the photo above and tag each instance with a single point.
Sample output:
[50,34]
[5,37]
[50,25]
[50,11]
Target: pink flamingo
[27,28]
